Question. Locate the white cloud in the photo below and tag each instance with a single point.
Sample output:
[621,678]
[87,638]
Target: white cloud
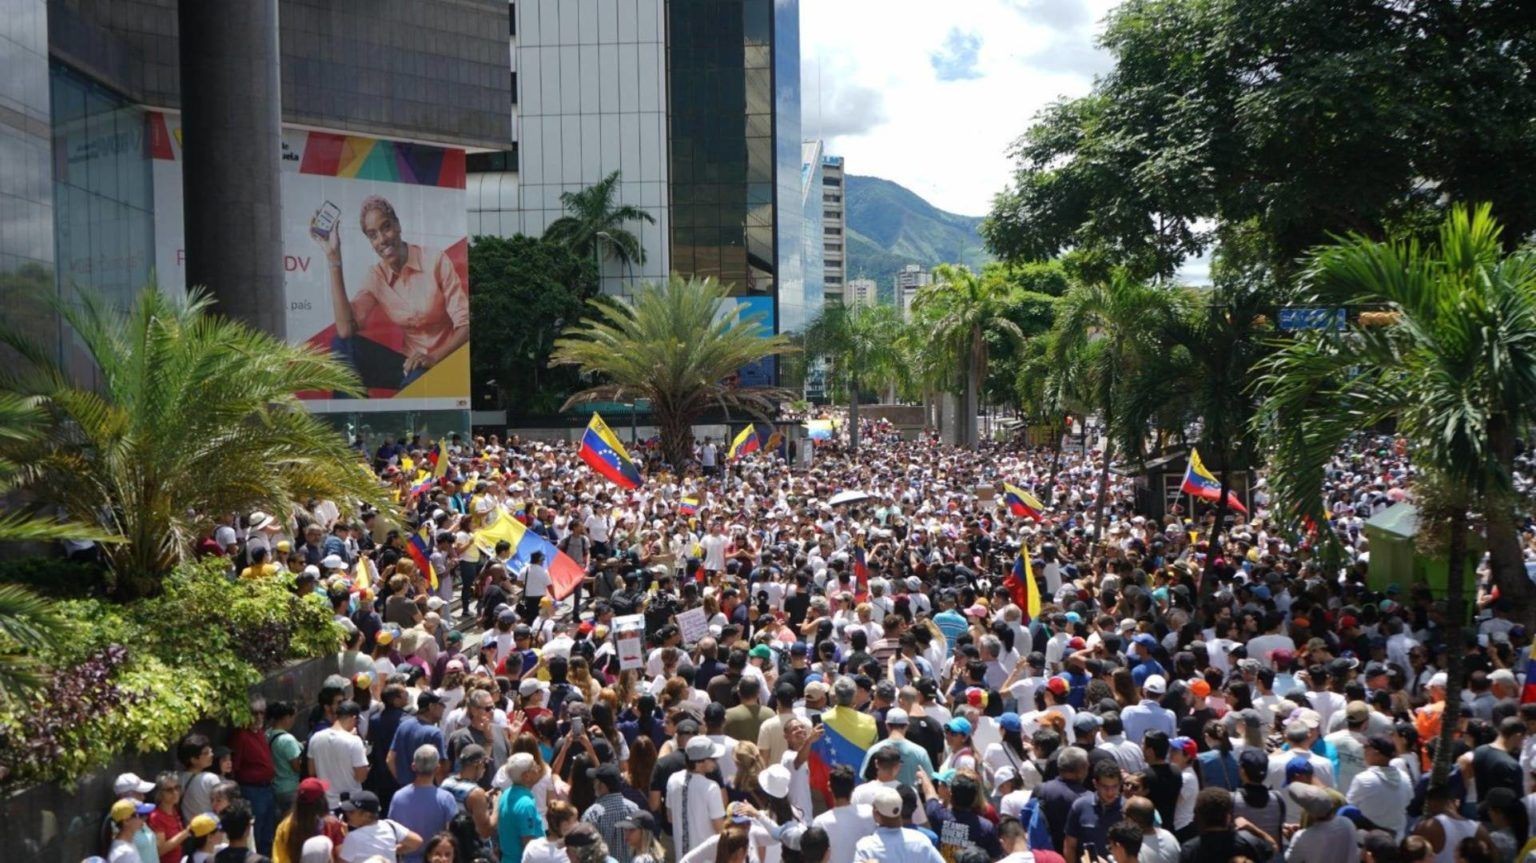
[871,90]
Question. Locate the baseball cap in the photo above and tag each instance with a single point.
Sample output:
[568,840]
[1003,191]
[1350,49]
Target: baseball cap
[1296,768]
[124,809]
[1010,722]
[1438,679]
[130,783]
[1057,685]
[643,820]
[897,716]
[1382,745]
[760,651]
[470,754]
[1085,723]
[1006,773]
[958,725]
[887,803]
[203,825]
[1145,640]
[362,801]
[1190,748]
[530,685]
[1199,687]
[312,790]
[426,699]
[1356,712]
[702,749]
[1155,685]
[582,835]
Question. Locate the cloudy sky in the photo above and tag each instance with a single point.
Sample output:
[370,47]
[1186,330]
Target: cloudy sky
[931,95]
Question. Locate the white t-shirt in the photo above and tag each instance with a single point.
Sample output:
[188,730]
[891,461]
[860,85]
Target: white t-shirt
[799,781]
[535,581]
[704,806]
[377,839]
[122,852]
[845,826]
[335,754]
[714,551]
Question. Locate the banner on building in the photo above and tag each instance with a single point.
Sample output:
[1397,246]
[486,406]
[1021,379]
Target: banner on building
[375,254]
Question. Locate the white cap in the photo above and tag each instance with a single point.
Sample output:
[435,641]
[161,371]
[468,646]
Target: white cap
[1006,773]
[333,561]
[897,716]
[1437,679]
[775,779]
[130,783]
[1155,685]
[887,802]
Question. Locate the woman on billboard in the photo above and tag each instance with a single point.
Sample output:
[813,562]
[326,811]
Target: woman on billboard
[415,288]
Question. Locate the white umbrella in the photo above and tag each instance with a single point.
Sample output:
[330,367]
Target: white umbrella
[846,497]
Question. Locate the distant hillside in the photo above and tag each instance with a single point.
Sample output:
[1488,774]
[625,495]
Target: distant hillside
[890,226]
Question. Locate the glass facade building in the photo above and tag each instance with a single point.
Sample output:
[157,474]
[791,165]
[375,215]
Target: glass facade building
[26,195]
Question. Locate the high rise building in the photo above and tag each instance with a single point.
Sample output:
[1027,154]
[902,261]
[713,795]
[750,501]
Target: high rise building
[862,292]
[266,116]
[696,103]
[834,227]
[813,244]
[910,278]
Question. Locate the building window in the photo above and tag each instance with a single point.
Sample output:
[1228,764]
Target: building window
[834,247]
[834,232]
[834,280]
[512,19]
[832,199]
[514,88]
[831,181]
[501,160]
[829,214]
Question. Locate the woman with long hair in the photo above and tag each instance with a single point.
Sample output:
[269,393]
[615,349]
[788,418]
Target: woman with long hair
[548,786]
[550,848]
[642,763]
[1217,766]
[442,848]
[310,818]
[1010,751]
[749,763]
[1125,688]
[732,847]
[579,676]
[640,838]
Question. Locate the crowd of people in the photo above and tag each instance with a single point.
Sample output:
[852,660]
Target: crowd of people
[748,673]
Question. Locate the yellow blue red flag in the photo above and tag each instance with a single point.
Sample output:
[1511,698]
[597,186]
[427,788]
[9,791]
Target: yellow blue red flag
[746,442]
[602,451]
[1021,502]
[1202,484]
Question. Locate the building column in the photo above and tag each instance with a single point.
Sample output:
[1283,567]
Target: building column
[231,122]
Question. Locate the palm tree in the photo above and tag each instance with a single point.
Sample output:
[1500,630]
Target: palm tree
[595,226]
[195,416]
[962,308]
[679,344]
[1455,368]
[863,345]
[1104,329]
[29,626]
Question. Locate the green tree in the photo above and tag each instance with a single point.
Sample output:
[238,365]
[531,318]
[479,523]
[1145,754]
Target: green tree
[1106,331]
[862,343]
[962,308]
[1456,371]
[29,626]
[679,344]
[1303,120]
[595,228]
[194,416]
[526,290]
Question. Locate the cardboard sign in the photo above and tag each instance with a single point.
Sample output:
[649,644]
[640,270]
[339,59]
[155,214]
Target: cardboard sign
[629,636]
[693,625]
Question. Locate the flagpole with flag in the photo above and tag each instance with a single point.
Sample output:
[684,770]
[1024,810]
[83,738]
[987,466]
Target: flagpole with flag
[602,450]
[1021,503]
[745,442]
[565,574]
[1201,483]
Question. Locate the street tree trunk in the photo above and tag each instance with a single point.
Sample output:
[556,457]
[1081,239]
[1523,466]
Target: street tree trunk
[1505,557]
[1099,499]
[676,440]
[1455,671]
[853,417]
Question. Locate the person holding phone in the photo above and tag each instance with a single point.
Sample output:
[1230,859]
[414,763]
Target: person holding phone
[416,288]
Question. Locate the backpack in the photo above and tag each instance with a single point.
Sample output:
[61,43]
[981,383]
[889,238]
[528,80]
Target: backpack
[1033,817]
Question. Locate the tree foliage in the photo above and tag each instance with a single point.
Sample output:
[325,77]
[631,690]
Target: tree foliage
[1294,121]
[595,224]
[680,345]
[526,290]
[195,415]
[863,344]
[959,311]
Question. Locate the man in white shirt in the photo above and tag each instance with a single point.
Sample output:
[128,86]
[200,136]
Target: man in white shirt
[370,836]
[891,842]
[708,453]
[693,799]
[845,823]
[714,545]
[1380,791]
[799,738]
[337,755]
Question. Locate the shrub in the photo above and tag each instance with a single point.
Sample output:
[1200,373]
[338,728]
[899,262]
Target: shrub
[193,652]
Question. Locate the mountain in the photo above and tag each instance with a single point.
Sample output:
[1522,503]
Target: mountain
[890,226]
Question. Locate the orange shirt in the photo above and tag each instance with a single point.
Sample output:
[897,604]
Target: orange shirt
[428,302]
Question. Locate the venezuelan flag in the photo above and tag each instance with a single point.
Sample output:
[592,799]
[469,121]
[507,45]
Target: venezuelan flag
[846,737]
[421,487]
[419,547]
[818,429]
[860,572]
[1022,587]
[602,451]
[565,574]
[1528,692]
[746,442]
[1021,502]
[688,506]
[1202,484]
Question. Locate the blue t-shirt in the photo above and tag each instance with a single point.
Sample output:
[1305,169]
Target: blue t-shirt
[410,736]
[517,821]
[425,810]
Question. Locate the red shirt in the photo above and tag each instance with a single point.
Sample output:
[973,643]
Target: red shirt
[252,758]
[167,824]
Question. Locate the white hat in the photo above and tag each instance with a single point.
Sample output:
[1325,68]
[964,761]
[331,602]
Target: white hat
[436,602]
[1437,679]
[774,780]
[259,520]
[312,570]
[530,685]
[887,802]
[1006,773]
[1155,685]
[897,716]
[333,561]
[130,783]
[437,514]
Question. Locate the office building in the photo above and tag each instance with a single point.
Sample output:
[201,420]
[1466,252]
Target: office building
[697,104]
[862,292]
[834,226]
[910,279]
[287,108]
[813,238]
